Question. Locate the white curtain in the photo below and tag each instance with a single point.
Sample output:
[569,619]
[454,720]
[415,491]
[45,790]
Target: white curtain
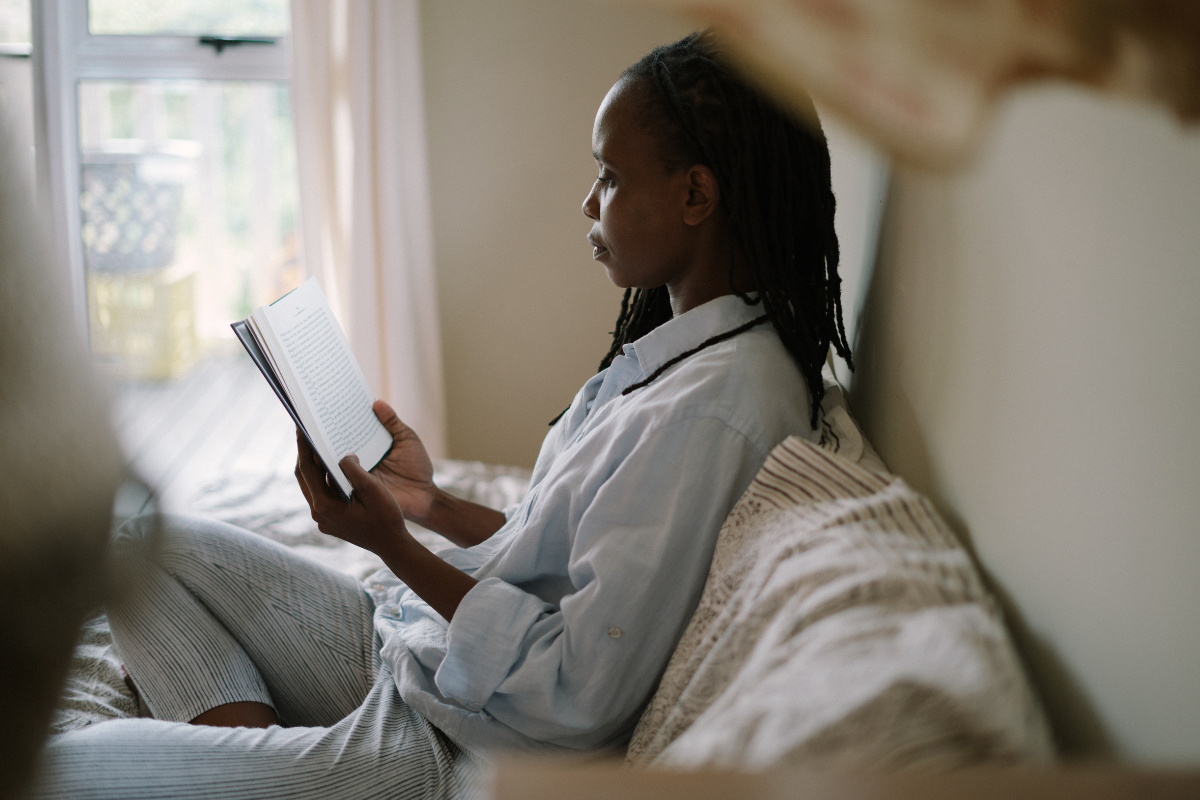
[359,112]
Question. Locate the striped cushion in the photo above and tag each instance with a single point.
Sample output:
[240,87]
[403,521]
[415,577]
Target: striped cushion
[842,625]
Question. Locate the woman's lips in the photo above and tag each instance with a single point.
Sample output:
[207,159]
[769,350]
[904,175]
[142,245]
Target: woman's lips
[598,250]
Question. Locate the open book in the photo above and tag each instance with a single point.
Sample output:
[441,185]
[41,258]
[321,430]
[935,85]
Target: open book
[301,350]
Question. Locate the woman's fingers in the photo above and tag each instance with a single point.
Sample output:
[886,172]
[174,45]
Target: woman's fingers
[370,520]
[318,493]
[367,487]
[301,448]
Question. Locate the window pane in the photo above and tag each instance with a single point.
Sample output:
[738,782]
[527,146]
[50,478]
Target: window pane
[14,22]
[188,207]
[189,17]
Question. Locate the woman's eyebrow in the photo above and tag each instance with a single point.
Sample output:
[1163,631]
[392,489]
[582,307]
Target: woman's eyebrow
[600,162]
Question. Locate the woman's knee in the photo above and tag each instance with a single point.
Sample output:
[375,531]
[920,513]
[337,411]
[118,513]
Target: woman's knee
[137,534]
[171,542]
[137,550]
[162,536]
[151,536]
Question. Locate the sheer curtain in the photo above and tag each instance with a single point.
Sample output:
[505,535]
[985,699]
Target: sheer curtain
[359,113]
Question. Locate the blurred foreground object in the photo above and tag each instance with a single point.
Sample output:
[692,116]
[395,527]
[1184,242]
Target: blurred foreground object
[919,77]
[59,470]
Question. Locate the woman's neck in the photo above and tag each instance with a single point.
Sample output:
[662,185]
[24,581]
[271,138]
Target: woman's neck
[710,280]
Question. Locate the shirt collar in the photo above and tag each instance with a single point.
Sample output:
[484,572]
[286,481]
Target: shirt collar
[690,329]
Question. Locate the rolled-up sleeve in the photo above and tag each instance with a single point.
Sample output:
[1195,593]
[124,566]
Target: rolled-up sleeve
[489,629]
[578,673]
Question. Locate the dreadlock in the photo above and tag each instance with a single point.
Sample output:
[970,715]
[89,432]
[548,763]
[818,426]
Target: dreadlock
[773,173]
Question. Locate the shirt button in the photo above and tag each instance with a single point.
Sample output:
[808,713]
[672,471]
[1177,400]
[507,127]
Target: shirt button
[615,632]
[396,611]
[377,587]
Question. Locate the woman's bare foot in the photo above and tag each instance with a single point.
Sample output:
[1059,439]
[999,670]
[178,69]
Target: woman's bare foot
[239,715]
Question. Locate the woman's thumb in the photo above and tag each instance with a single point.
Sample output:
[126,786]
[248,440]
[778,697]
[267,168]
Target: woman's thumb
[387,416]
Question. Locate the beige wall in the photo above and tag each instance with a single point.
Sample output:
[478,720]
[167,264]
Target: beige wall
[1031,358]
[511,92]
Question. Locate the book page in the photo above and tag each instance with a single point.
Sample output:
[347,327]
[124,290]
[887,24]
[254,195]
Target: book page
[324,379]
[256,323]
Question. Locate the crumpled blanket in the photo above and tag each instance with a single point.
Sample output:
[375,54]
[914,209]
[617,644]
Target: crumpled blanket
[269,504]
[842,626]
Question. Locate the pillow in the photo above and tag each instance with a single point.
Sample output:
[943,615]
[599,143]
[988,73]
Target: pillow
[842,626]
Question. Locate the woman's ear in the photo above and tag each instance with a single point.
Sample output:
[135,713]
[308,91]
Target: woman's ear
[704,195]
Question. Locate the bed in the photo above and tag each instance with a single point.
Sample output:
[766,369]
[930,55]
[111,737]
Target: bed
[842,626]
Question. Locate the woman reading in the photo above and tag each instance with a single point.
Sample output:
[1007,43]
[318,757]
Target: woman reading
[550,625]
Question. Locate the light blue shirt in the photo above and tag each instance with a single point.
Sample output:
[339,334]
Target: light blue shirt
[586,589]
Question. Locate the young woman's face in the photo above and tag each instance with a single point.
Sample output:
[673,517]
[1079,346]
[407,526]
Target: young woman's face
[637,207]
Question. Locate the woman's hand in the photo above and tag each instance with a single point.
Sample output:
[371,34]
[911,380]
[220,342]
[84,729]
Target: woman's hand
[374,521]
[406,472]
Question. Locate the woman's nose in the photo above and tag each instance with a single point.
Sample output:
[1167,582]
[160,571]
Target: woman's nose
[591,205]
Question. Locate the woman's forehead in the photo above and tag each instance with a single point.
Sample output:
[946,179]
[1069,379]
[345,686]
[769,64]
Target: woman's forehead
[616,124]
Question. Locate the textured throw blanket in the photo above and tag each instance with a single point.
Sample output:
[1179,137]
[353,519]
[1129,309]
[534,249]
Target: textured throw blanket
[842,626]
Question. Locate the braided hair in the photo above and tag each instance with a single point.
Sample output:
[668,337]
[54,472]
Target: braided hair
[773,174]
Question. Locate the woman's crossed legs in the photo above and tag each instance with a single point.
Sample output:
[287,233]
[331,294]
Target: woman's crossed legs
[214,615]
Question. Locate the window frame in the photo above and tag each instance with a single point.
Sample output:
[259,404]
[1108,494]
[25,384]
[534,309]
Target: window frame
[65,52]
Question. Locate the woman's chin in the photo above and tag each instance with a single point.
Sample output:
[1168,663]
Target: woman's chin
[614,275]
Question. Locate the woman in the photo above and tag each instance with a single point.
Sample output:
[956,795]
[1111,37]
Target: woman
[550,628]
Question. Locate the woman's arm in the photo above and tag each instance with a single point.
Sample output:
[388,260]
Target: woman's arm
[461,521]
[374,521]
[580,671]
[407,473]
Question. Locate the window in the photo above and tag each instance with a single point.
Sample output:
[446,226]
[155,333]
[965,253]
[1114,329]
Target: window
[172,170]
[171,173]
[250,18]
[15,27]
[16,81]
[187,204]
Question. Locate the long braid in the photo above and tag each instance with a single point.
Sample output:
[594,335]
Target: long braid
[648,309]
[642,311]
[774,177]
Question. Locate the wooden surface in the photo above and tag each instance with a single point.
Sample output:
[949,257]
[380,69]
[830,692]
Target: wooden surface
[551,780]
[220,417]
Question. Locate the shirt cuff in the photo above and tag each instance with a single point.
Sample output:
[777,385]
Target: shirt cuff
[485,639]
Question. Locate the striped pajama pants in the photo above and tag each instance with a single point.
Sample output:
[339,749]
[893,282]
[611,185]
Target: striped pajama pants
[212,614]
